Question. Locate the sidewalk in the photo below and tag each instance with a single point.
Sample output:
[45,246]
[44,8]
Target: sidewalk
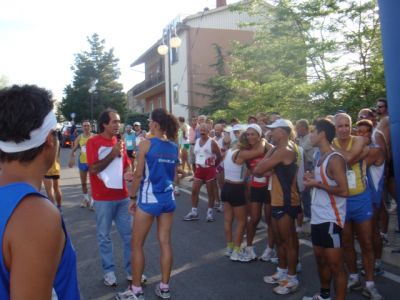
[387,255]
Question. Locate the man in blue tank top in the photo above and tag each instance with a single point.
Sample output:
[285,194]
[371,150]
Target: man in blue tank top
[36,258]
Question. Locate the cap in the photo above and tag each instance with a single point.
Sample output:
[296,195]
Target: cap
[237,127]
[136,123]
[256,127]
[128,126]
[281,123]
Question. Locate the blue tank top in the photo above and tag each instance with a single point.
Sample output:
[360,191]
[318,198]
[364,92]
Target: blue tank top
[65,284]
[159,172]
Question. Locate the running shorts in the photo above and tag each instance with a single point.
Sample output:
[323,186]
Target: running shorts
[326,235]
[233,194]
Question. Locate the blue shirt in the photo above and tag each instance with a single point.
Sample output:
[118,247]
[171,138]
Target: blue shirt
[65,284]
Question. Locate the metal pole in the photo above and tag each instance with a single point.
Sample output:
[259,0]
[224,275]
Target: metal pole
[91,107]
[169,71]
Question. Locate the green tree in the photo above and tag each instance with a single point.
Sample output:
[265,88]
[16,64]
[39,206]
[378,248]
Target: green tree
[96,69]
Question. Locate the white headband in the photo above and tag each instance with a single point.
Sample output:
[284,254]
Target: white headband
[37,136]
[256,127]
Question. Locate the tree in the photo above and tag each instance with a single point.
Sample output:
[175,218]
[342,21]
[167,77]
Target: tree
[96,69]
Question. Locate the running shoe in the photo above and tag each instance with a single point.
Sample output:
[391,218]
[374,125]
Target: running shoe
[220,208]
[372,293]
[162,293]
[286,287]
[191,216]
[275,278]
[130,295]
[354,284]
[250,253]
[268,254]
[315,297]
[228,251]
[210,217]
[239,256]
[84,203]
[110,279]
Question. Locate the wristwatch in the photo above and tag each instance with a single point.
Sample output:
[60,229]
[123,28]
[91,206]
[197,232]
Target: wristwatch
[133,198]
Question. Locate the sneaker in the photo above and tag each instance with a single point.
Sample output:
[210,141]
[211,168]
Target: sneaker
[378,270]
[217,204]
[275,278]
[385,240]
[250,253]
[372,293]
[286,287]
[274,260]
[315,297]
[84,203]
[354,284]
[191,216]
[228,251]
[91,204]
[210,217]
[162,293]
[220,208]
[239,256]
[143,280]
[110,279]
[267,254]
[130,295]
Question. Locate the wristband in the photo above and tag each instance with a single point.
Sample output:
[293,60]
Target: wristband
[133,198]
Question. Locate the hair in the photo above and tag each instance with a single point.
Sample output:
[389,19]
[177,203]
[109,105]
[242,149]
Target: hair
[167,122]
[251,117]
[104,118]
[342,115]
[86,121]
[234,120]
[366,123]
[326,126]
[368,111]
[221,121]
[243,142]
[22,109]
[303,123]
[181,119]
[382,99]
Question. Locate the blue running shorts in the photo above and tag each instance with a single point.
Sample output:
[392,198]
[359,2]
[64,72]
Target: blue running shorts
[83,166]
[359,207]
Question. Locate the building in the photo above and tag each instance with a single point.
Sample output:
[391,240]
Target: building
[190,63]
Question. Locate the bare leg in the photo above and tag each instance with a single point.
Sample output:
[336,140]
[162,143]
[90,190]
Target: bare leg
[164,226]
[48,185]
[255,216]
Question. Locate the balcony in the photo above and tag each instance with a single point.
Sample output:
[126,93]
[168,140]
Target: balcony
[145,86]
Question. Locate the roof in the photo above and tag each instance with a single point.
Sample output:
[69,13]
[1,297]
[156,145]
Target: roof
[149,53]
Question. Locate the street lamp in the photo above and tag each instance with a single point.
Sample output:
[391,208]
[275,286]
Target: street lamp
[169,34]
[92,89]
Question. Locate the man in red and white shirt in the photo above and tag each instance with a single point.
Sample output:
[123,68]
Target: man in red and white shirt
[108,162]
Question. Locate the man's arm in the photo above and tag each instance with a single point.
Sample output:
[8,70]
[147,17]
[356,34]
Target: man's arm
[380,140]
[215,149]
[358,151]
[100,165]
[74,148]
[252,153]
[34,240]
[269,162]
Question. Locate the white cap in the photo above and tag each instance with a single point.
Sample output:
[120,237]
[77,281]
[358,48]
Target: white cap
[281,123]
[237,127]
[136,123]
[256,127]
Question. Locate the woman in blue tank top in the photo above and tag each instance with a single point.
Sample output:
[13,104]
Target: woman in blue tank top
[37,260]
[153,197]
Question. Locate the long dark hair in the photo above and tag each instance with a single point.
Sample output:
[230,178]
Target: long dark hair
[167,122]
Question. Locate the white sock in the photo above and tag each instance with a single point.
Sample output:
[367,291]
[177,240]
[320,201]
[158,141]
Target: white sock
[209,211]
[354,276]
[194,210]
[369,284]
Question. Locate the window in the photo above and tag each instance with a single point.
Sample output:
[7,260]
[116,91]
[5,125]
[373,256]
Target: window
[176,93]
[175,56]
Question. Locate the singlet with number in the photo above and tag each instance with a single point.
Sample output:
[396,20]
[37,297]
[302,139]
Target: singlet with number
[82,144]
[376,176]
[130,141]
[326,207]
[65,285]
[356,174]
[233,171]
[204,156]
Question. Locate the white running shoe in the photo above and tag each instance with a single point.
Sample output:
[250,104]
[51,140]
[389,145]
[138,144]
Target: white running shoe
[130,295]
[286,287]
[268,254]
[250,253]
[228,251]
[110,279]
[210,217]
[275,278]
[315,297]
[372,293]
[239,256]
[191,216]
[162,293]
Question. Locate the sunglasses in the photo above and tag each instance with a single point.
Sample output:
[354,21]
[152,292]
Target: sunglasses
[362,117]
[380,106]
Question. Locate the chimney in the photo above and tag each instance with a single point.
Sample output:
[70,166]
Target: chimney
[221,3]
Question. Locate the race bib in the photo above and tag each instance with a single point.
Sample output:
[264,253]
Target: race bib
[200,159]
[351,179]
[129,143]
[138,140]
[270,184]
[83,149]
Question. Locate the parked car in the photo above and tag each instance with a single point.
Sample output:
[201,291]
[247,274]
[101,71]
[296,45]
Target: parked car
[65,137]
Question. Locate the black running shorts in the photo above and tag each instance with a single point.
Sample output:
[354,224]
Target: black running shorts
[279,211]
[233,194]
[260,195]
[326,235]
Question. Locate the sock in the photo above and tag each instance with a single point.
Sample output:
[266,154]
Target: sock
[86,196]
[369,284]
[136,289]
[194,210]
[229,245]
[325,293]
[281,271]
[164,286]
[209,211]
[236,249]
[354,276]
[292,278]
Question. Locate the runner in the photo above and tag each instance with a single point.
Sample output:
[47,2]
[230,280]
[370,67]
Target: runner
[157,163]
[130,140]
[328,210]
[285,202]
[37,260]
[80,143]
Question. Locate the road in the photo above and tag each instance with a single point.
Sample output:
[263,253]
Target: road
[200,271]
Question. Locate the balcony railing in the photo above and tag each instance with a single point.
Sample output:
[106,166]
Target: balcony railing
[148,84]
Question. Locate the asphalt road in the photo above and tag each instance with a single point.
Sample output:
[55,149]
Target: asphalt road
[200,271]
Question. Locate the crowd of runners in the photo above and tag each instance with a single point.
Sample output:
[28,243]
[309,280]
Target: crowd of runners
[334,173]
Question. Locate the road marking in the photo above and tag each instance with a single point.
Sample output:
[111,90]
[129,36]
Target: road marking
[388,275]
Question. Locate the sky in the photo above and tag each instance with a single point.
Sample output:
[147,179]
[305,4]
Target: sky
[38,39]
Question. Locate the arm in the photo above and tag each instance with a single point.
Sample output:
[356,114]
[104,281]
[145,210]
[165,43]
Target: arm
[380,140]
[144,147]
[71,162]
[100,165]
[269,162]
[252,153]
[34,242]
[337,171]
[358,151]
[215,149]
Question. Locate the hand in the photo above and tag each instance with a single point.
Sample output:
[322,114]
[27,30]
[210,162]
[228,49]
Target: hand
[308,175]
[117,149]
[128,176]
[132,207]
[71,162]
